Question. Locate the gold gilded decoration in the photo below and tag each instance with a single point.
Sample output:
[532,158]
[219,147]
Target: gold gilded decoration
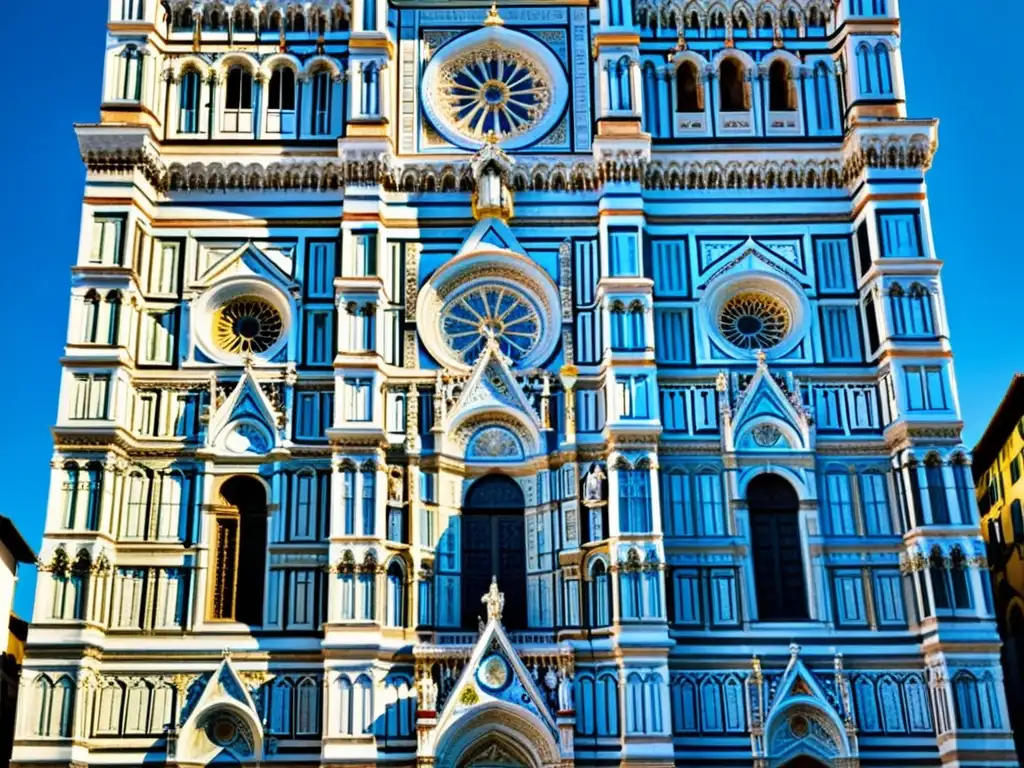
[247,325]
[469,696]
[494,672]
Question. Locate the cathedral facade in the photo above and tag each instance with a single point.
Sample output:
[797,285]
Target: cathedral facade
[532,384]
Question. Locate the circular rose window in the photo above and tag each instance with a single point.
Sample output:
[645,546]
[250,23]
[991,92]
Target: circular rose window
[494,81]
[484,312]
[754,320]
[247,325]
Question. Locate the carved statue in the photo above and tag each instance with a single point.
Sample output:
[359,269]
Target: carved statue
[564,692]
[396,489]
[428,694]
[494,600]
[593,487]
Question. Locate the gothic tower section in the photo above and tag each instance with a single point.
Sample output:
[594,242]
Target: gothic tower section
[531,383]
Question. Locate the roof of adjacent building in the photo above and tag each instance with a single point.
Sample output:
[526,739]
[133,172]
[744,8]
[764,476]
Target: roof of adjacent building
[1000,427]
[11,538]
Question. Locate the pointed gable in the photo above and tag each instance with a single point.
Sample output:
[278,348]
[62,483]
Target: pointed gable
[488,234]
[749,257]
[247,405]
[250,261]
[492,386]
[766,418]
[495,673]
[225,699]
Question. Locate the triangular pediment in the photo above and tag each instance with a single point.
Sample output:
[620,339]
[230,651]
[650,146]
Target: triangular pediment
[751,257]
[250,261]
[222,724]
[492,387]
[495,673]
[798,682]
[767,418]
[491,233]
[246,422]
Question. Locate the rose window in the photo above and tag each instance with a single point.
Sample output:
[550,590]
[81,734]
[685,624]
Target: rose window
[487,312]
[247,325]
[493,90]
[754,320]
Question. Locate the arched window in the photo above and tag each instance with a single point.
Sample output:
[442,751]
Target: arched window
[307,708]
[865,69]
[369,482]
[586,722]
[839,501]
[652,703]
[936,479]
[777,551]
[322,96]
[959,580]
[280,707]
[968,701]
[54,701]
[346,706]
[689,92]
[884,69]
[94,498]
[371,90]
[716,24]
[652,96]
[238,101]
[70,491]
[298,22]
[693,24]
[939,579]
[368,595]
[780,91]
[707,494]
[631,594]
[362,699]
[964,485]
[129,80]
[91,317]
[732,86]
[239,547]
[274,22]
[636,714]
[741,24]
[635,500]
[396,595]
[607,705]
[620,91]
[346,596]
[134,521]
[1017,521]
[874,498]
[919,301]
[188,102]
[243,20]
[600,597]
[815,23]
[113,302]
[69,595]
[348,499]
[182,20]
[281,101]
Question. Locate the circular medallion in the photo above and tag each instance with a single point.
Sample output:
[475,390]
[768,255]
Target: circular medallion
[494,81]
[247,325]
[754,320]
[494,673]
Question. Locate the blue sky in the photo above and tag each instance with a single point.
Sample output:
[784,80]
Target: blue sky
[974,203]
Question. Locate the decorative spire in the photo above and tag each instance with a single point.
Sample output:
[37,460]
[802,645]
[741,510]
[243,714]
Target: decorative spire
[493,17]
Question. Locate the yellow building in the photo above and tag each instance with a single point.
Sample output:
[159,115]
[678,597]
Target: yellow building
[998,470]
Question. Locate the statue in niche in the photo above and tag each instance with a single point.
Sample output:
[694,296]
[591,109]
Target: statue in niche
[396,489]
[593,487]
[492,196]
[564,692]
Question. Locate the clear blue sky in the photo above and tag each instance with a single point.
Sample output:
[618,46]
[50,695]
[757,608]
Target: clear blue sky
[975,205]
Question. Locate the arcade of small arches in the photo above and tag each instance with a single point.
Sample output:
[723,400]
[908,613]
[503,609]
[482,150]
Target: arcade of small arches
[243,17]
[736,19]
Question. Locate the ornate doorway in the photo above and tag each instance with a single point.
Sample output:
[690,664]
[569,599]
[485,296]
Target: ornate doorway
[494,544]
[778,557]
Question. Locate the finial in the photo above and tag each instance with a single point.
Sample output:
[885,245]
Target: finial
[491,137]
[225,653]
[493,17]
[762,358]
[794,650]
